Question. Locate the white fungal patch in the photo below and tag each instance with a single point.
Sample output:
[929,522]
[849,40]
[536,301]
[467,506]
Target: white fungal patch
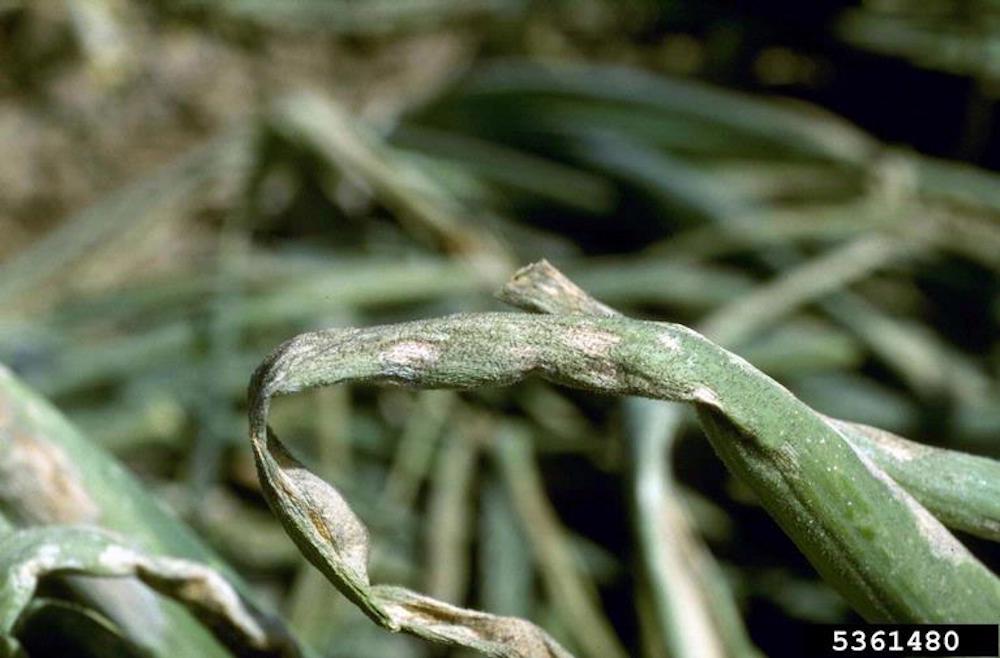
[900,449]
[408,354]
[26,575]
[669,341]
[592,342]
[116,558]
[943,543]
[48,555]
[706,396]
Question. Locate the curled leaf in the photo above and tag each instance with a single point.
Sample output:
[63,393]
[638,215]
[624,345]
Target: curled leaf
[503,637]
[336,542]
[870,539]
[694,612]
[961,490]
[321,523]
[27,556]
[51,474]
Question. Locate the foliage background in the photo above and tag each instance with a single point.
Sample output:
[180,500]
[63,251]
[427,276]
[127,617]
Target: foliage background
[184,185]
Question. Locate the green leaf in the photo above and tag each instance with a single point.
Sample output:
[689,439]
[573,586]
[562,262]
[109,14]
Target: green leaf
[29,555]
[888,556]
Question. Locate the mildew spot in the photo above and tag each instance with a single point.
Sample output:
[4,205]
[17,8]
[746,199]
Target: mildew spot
[38,480]
[706,396]
[410,353]
[487,633]
[897,450]
[48,555]
[327,513]
[45,559]
[592,342]
[117,557]
[943,543]
[669,341]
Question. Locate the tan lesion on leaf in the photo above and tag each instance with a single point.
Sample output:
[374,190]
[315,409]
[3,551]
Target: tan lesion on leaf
[319,525]
[471,628]
[410,353]
[706,396]
[324,509]
[406,359]
[592,342]
[38,481]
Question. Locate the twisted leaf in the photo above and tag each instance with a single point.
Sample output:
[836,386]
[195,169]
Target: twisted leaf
[889,557]
[336,542]
[961,490]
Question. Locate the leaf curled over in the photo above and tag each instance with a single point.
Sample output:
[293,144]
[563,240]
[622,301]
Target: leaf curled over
[503,637]
[28,555]
[841,514]
[323,525]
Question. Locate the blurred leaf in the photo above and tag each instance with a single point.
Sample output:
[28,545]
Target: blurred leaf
[31,554]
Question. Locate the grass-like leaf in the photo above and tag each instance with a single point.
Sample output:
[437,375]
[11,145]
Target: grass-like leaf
[50,474]
[888,556]
[27,556]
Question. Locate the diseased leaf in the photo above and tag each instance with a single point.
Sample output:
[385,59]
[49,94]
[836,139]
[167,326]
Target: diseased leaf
[29,555]
[961,490]
[322,524]
[503,637]
[694,612]
[335,541]
[50,474]
[889,557]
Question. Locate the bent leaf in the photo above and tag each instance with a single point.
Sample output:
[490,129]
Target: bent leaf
[51,474]
[961,490]
[27,556]
[889,557]
[503,637]
[336,542]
